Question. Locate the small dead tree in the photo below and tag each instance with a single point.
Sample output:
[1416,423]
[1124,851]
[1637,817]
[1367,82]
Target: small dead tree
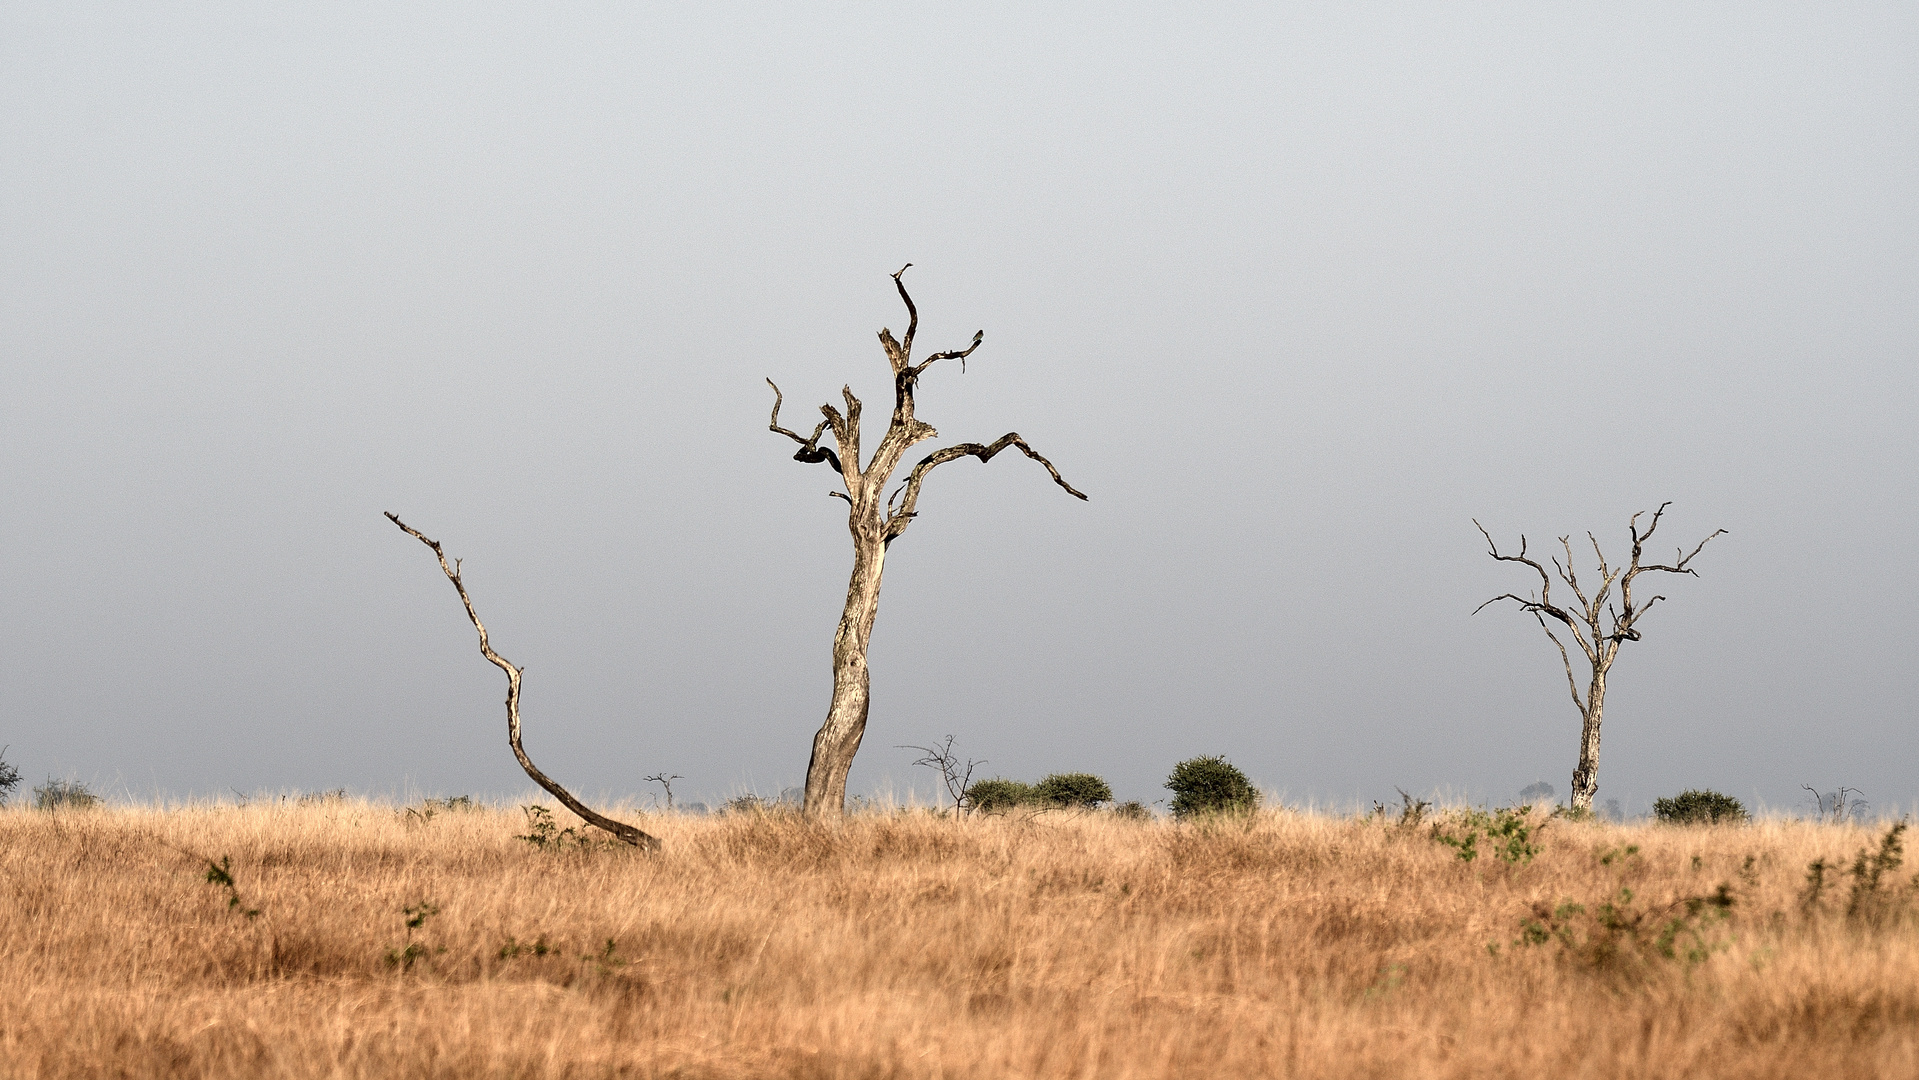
[661,778]
[875,520]
[955,776]
[1599,643]
[1837,807]
[618,828]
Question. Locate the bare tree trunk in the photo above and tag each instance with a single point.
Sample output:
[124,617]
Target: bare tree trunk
[839,738]
[1586,774]
[875,522]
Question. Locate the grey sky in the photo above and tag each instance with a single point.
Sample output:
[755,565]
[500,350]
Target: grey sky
[1292,292]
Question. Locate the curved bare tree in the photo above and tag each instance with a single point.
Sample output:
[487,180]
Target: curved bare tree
[620,829]
[875,520]
[1599,645]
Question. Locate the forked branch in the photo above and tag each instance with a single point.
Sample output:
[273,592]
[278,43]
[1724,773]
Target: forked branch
[1543,605]
[810,449]
[618,828]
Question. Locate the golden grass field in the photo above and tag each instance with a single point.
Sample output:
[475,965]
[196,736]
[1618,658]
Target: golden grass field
[907,945]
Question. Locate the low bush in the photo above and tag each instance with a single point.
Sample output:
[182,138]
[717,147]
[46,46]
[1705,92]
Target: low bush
[1073,789]
[1132,810]
[1210,785]
[1508,832]
[998,794]
[64,795]
[9,777]
[1698,807]
[750,805]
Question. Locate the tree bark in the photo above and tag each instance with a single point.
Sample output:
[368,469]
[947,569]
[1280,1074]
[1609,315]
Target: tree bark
[1586,773]
[839,737]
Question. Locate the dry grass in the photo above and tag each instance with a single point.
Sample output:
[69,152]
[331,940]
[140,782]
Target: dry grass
[906,945]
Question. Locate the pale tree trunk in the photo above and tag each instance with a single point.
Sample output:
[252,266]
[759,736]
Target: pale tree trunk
[1586,774]
[1587,623]
[875,520]
[839,738]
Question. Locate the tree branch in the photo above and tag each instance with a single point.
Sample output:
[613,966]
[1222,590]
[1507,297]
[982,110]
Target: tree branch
[1623,628]
[1572,683]
[618,828]
[1543,605]
[912,316]
[1545,580]
[810,450]
[960,355]
[897,522]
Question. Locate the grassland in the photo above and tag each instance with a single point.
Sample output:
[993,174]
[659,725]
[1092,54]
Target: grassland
[905,945]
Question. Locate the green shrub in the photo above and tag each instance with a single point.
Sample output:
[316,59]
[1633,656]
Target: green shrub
[1872,901]
[1692,807]
[1508,832]
[1132,810]
[64,795]
[1073,789]
[1210,785]
[998,794]
[9,777]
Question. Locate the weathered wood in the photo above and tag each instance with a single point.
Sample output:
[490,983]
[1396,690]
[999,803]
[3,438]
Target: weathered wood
[618,828]
[875,522]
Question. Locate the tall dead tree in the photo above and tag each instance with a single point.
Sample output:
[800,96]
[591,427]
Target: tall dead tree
[618,828]
[875,520]
[1600,644]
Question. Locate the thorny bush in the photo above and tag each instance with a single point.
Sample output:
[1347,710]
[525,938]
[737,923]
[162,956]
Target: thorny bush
[1508,832]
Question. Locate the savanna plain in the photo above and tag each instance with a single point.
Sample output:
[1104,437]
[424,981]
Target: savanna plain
[344,938]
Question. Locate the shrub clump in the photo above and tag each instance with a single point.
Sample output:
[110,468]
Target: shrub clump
[1508,831]
[9,777]
[998,794]
[64,795]
[1073,789]
[1210,785]
[1704,807]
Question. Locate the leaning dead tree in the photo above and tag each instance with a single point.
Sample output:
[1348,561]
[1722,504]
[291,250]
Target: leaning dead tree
[618,828]
[1599,643]
[875,520]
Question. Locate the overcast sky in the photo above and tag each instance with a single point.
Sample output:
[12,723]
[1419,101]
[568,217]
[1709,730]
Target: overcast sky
[1293,292]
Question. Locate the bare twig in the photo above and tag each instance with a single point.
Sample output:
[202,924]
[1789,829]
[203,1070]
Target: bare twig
[452,570]
[955,776]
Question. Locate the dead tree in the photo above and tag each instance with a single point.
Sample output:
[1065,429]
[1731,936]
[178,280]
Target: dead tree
[875,520]
[618,828]
[1600,644]
[955,776]
[665,780]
